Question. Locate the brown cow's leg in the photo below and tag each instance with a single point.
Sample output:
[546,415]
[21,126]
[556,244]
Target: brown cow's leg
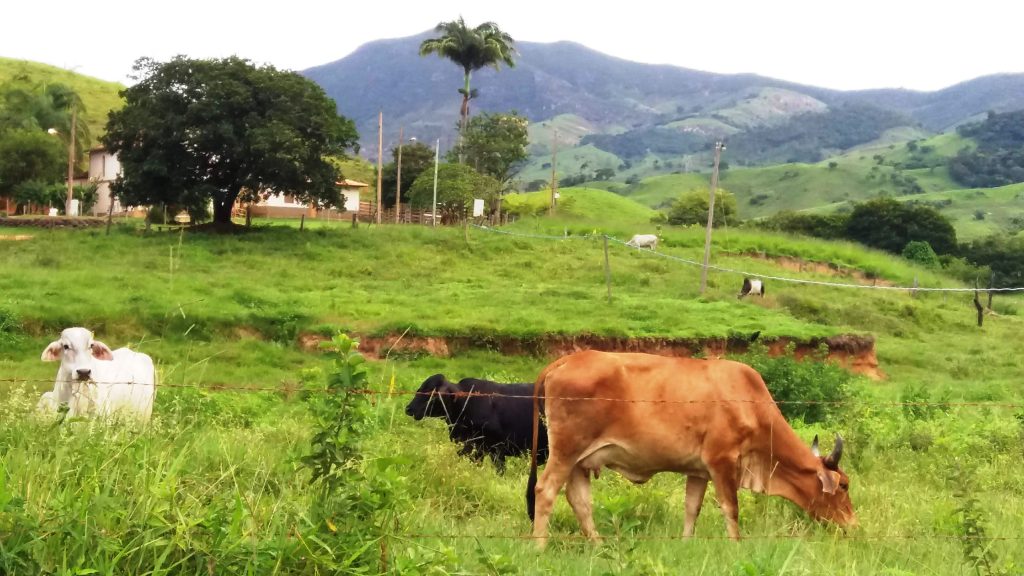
[723,475]
[551,481]
[577,492]
[695,488]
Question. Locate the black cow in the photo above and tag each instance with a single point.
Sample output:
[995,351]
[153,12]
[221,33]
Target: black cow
[497,425]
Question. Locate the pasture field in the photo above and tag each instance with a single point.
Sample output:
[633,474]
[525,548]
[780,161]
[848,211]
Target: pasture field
[216,484]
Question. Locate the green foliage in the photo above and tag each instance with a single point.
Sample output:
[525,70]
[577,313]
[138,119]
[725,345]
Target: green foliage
[921,252]
[417,158]
[639,142]
[999,157]
[889,225]
[977,548]
[194,130]
[340,415]
[1003,255]
[811,390]
[803,138]
[10,329]
[828,226]
[494,145]
[98,97]
[457,186]
[692,208]
[39,107]
[471,49]
[29,157]
[358,497]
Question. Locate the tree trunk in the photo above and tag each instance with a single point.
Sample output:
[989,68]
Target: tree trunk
[222,206]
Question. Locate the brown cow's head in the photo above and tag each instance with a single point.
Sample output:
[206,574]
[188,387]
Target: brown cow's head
[833,503]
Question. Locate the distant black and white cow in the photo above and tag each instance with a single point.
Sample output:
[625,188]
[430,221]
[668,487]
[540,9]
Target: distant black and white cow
[752,287]
[644,241]
[494,425]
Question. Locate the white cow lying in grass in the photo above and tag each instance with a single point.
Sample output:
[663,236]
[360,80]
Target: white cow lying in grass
[644,241]
[94,380]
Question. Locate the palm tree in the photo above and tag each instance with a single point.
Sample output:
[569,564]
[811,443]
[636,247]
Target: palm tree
[472,49]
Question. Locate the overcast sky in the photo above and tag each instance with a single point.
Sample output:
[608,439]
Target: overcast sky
[843,44]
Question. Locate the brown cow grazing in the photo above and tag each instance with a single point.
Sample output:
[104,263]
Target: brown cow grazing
[641,414]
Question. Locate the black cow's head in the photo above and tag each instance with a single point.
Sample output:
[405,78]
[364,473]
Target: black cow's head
[432,399]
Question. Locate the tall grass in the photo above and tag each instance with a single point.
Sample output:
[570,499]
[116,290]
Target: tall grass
[215,484]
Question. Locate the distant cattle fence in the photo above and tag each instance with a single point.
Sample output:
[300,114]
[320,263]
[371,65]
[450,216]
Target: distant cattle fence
[243,388]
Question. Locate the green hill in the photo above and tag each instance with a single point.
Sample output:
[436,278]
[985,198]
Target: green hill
[99,96]
[216,482]
[590,204]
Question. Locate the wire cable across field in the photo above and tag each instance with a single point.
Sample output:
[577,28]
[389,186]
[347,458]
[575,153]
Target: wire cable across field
[242,388]
[689,262]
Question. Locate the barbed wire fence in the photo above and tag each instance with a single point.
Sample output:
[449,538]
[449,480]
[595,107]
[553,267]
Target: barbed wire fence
[296,389]
[688,262]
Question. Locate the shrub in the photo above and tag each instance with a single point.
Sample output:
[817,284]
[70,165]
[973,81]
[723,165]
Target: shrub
[811,390]
[921,252]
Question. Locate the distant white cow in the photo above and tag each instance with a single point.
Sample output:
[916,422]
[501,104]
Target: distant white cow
[752,287]
[92,380]
[644,241]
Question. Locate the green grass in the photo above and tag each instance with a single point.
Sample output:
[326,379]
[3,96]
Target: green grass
[578,203]
[99,96]
[215,484]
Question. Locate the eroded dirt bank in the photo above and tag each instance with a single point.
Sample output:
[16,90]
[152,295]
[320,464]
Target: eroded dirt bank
[853,352]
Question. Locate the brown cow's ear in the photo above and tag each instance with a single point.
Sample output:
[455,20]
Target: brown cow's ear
[101,351]
[53,351]
[829,481]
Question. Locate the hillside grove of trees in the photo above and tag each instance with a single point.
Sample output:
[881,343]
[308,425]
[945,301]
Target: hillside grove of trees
[999,157]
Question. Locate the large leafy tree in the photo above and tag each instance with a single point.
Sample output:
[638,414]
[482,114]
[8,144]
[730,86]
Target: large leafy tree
[416,158]
[31,160]
[192,131]
[495,144]
[457,186]
[692,208]
[471,49]
[889,225]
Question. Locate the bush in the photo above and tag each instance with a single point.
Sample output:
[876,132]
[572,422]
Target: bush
[811,390]
[921,252]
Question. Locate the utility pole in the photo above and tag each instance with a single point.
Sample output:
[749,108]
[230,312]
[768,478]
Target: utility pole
[380,156]
[554,167]
[71,160]
[398,187]
[433,209]
[719,146]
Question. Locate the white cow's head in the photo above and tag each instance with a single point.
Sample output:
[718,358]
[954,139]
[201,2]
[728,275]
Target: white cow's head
[77,351]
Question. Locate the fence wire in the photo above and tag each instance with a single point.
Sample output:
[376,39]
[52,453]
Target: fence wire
[669,538]
[689,262]
[241,388]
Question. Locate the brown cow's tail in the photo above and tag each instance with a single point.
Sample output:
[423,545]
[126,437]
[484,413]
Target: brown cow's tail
[538,396]
[531,484]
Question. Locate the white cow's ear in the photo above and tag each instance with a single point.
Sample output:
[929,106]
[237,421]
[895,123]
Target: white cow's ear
[101,351]
[829,480]
[53,352]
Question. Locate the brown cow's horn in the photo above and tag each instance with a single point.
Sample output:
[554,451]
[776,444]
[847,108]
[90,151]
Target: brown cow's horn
[814,446]
[837,452]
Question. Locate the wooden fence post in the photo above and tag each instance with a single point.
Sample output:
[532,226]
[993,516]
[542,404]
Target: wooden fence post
[991,285]
[607,270]
[302,223]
